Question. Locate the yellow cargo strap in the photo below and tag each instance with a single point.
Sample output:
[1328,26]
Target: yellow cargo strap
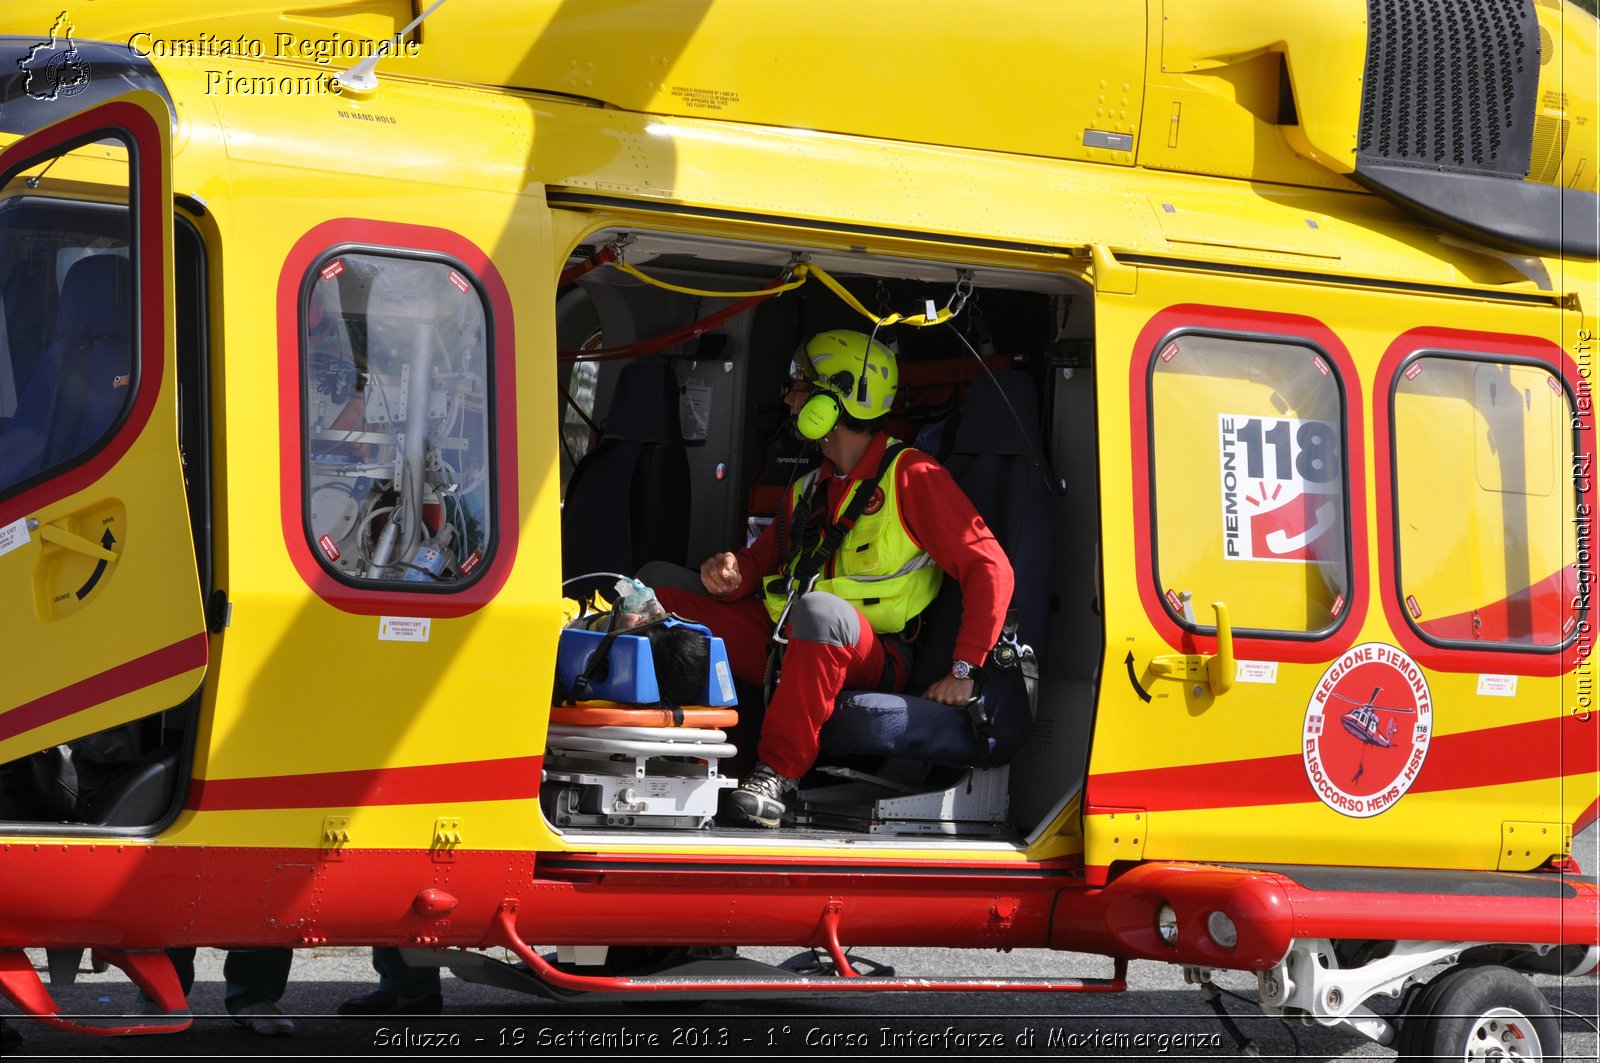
[949,311]
[774,290]
[800,272]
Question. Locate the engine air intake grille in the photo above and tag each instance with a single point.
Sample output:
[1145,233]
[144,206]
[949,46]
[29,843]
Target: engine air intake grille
[1450,85]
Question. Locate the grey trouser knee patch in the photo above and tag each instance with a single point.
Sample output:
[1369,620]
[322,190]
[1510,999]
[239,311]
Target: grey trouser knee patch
[823,617]
[665,574]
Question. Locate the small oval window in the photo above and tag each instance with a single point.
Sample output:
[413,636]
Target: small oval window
[395,372]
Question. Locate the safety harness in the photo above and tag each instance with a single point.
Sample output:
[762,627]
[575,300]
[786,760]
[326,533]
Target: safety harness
[808,564]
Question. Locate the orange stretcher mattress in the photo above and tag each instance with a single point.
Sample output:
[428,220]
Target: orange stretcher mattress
[611,714]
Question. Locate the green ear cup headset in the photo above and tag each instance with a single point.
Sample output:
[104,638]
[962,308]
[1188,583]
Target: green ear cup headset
[820,413]
[849,372]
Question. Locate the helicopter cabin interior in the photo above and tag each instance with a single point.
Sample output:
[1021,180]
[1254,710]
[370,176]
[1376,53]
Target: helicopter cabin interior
[676,444]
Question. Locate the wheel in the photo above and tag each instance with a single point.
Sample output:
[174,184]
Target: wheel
[1483,1013]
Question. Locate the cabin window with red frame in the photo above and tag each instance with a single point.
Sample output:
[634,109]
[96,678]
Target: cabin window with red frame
[1248,484]
[395,372]
[1486,507]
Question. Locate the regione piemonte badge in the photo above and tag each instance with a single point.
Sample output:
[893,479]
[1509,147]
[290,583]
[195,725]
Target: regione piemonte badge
[1367,729]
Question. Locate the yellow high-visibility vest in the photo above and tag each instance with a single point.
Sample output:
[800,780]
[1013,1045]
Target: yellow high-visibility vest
[878,568]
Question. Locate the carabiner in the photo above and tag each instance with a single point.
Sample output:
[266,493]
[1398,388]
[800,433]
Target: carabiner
[794,595]
[963,292]
[617,246]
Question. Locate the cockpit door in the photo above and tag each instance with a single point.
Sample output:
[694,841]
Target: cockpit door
[101,619]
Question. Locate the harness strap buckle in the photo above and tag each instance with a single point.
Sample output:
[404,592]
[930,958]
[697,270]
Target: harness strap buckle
[795,593]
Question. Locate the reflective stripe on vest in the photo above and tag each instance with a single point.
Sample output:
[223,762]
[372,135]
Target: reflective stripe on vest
[878,568]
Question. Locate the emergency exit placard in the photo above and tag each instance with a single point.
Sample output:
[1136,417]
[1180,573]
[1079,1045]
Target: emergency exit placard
[1282,499]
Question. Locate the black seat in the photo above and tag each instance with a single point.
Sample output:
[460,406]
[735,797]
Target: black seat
[993,463]
[25,310]
[138,796]
[628,500]
[80,385]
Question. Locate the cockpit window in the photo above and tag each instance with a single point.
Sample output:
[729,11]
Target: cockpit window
[68,335]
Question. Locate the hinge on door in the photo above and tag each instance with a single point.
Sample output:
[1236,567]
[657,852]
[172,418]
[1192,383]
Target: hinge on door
[446,839]
[335,836]
[1125,831]
[1525,846]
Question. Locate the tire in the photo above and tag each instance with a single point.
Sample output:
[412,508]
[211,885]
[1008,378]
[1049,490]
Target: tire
[1484,1012]
[1419,1013]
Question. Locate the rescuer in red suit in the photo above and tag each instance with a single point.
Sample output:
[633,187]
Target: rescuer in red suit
[843,604]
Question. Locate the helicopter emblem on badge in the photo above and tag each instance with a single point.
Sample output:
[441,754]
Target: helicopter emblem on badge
[1381,700]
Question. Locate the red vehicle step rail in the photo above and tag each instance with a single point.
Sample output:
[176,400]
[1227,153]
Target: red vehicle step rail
[505,934]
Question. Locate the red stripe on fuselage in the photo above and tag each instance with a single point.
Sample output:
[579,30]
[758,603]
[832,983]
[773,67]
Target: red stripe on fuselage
[125,678]
[1455,762]
[508,779]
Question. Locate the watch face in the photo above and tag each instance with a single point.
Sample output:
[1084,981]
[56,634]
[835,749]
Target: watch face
[960,669]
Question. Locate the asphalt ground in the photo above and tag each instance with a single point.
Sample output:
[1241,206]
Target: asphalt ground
[1158,1017]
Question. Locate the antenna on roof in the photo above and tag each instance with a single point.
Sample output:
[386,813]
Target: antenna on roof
[362,76]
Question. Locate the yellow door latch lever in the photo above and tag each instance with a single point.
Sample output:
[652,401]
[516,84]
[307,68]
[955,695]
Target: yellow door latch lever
[1216,669]
[72,541]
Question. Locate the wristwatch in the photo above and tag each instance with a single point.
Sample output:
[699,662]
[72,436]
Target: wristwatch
[962,669]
